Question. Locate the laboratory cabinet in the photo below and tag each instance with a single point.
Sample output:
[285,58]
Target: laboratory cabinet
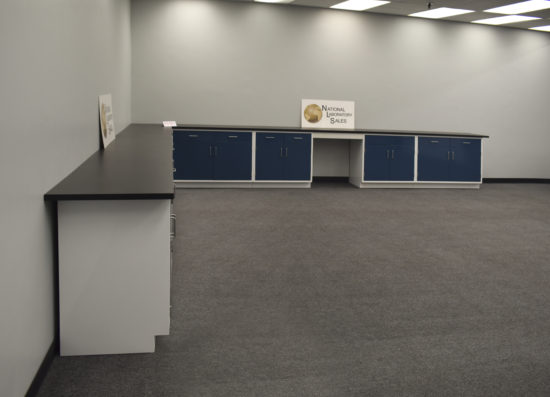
[389,158]
[204,155]
[264,157]
[283,157]
[449,159]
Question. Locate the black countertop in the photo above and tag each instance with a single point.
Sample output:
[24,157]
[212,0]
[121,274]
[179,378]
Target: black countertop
[136,165]
[322,130]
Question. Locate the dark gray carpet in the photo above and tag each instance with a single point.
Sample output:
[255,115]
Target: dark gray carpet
[336,291]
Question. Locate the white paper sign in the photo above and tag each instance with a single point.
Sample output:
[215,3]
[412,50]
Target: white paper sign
[321,113]
[107,123]
[169,124]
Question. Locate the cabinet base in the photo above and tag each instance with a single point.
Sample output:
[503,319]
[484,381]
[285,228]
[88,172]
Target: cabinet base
[240,185]
[419,185]
[307,184]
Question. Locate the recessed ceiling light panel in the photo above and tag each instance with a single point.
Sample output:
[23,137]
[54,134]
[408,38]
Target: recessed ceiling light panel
[542,28]
[521,8]
[441,12]
[274,1]
[504,20]
[358,5]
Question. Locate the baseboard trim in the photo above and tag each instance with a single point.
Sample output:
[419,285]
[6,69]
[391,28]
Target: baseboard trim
[516,180]
[42,371]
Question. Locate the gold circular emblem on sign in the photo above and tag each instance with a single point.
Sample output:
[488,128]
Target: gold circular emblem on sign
[313,113]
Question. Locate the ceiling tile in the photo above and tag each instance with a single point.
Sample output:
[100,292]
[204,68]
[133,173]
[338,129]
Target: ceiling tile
[406,7]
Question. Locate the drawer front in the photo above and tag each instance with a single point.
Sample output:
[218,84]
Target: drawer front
[466,141]
[269,138]
[389,140]
[298,137]
[195,136]
[232,136]
[377,140]
[402,140]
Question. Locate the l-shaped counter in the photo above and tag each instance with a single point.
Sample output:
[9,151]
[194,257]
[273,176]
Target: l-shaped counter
[115,225]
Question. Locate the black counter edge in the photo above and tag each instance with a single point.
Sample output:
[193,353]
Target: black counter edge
[516,180]
[314,130]
[42,371]
[91,196]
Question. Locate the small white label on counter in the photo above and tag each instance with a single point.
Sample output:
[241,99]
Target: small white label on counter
[169,124]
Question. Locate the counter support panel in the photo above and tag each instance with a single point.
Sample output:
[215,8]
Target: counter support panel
[114,275]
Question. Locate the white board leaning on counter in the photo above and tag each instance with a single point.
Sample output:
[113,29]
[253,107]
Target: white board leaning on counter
[107,124]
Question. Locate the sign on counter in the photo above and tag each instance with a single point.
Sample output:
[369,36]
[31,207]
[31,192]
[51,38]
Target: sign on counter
[321,113]
[107,124]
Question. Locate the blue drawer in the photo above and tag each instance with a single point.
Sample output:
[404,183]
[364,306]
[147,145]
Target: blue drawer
[232,137]
[389,140]
[196,136]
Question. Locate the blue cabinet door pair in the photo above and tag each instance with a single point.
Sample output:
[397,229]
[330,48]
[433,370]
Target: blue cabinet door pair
[202,155]
[283,157]
[449,159]
[389,158]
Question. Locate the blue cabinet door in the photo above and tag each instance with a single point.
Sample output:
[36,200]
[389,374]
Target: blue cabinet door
[233,156]
[465,160]
[402,161]
[269,156]
[377,162]
[193,155]
[433,159]
[297,157]
[389,158]
[176,154]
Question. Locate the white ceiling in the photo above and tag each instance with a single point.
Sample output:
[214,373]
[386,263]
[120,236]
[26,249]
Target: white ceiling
[406,7]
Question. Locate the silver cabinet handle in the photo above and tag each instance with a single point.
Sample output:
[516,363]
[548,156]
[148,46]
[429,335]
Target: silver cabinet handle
[269,137]
[298,137]
[392,154]
[448,155]
[215,151]
[466,143]
[233,136]
[286,152]
[281,152]
[210,150]
[173,225]
[453,155]
[434,141]
[387,154]
[192,136]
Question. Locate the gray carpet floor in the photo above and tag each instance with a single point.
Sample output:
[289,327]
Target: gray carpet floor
[336,291]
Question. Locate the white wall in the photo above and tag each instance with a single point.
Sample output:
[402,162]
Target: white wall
[330,157]
[206,62]
[56,58]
